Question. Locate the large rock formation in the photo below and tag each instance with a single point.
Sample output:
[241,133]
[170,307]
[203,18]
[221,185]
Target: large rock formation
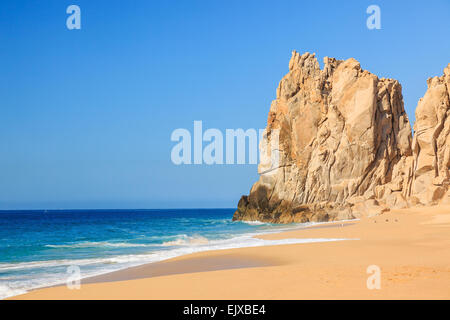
[344,146]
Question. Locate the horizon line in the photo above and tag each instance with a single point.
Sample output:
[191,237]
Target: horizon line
[106,209]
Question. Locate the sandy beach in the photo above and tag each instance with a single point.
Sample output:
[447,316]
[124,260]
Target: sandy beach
[410,246]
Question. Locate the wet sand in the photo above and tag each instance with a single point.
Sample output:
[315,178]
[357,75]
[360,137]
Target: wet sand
[180,266]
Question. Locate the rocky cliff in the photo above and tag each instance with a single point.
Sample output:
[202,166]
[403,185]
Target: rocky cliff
[344,146]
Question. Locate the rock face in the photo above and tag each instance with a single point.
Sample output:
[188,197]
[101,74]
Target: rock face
[431,145]
[344,146]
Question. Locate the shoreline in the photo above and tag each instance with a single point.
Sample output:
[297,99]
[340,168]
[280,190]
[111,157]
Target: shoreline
[193,263]
[411,247]
[155,268]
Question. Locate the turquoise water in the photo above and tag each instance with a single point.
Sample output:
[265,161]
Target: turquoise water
[37,247]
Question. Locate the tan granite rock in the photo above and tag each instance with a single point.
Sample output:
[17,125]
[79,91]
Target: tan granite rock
[343,146]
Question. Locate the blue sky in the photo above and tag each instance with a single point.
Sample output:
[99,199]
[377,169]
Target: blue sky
[86,115]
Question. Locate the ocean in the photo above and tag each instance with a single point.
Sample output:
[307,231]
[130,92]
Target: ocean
[37,247]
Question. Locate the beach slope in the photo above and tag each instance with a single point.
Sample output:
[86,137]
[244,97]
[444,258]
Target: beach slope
[411,248]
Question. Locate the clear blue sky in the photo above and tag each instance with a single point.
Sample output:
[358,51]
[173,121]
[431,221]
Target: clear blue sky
[86,115]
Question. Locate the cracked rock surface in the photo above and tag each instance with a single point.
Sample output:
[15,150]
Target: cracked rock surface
[338,145]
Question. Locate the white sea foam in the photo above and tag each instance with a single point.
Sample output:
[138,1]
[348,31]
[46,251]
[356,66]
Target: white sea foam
[99,244]
[186,240]
[254,223]
[6,291]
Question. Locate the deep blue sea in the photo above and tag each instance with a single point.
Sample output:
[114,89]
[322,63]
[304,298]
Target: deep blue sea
[37,247]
